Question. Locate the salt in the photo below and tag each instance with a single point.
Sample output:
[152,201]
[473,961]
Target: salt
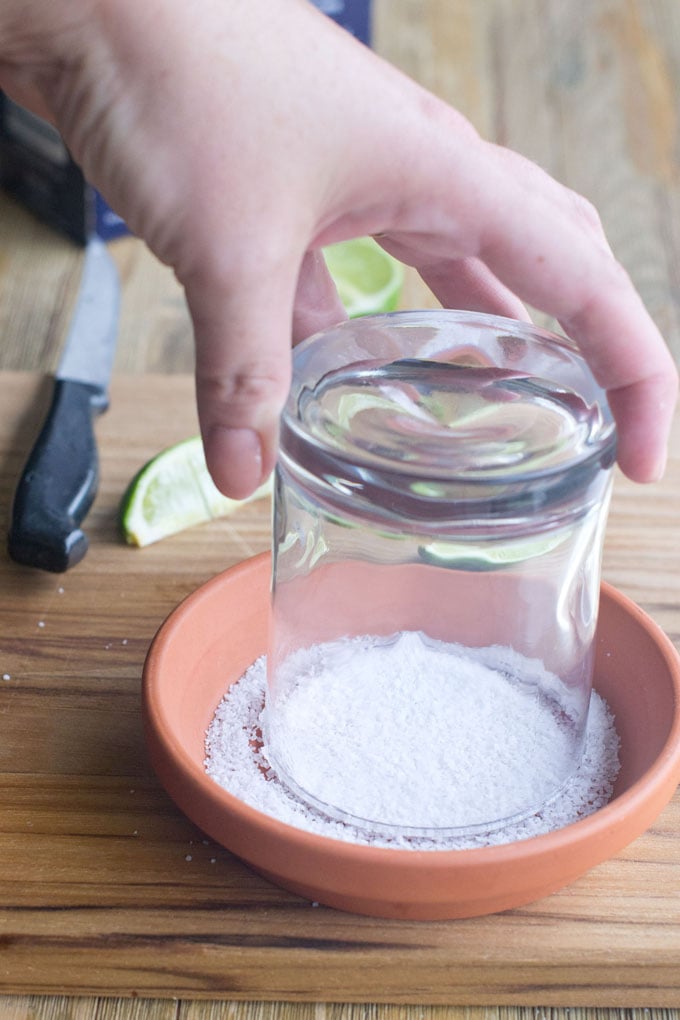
[417,733]
[387,765]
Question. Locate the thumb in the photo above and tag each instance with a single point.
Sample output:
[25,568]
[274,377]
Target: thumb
[242,328]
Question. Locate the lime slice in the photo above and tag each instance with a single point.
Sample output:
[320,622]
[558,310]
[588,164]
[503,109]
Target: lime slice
[491,556]
[174,491]
[368,280]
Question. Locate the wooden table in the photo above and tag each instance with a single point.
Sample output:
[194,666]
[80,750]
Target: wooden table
[98,899]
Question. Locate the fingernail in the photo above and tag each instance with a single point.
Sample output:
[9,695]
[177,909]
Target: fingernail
[235,460]
[659,468]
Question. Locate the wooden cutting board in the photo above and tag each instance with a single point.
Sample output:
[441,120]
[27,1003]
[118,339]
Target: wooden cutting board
[105,887]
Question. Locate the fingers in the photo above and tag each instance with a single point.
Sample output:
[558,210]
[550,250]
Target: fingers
[464,283]
[317,304]
[242,329]
[533,178]
[646,407]
[517,234]
[242,338]
[630,358]
[549,259]
[260,169]
[468,284]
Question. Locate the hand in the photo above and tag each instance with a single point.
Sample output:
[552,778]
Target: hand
[239,138]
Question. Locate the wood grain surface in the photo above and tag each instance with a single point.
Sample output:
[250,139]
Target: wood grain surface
[98,902]
[106,888]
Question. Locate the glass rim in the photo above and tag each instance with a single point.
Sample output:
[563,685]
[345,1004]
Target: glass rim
[603,448]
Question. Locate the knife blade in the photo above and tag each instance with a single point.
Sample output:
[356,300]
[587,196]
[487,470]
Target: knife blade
[59,482]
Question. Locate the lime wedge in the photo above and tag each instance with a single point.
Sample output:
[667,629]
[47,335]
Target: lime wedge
[174,491]
[368,280]
[490,556]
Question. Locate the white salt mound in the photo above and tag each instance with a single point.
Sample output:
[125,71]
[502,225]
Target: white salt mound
[411,732]
[384,765]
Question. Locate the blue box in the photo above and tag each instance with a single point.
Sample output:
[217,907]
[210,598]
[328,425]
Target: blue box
[354,15]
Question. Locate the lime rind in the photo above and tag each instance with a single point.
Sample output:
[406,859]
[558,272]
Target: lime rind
[496,556]
[173,492]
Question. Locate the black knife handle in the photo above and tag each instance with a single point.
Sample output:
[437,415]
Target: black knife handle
[59,482]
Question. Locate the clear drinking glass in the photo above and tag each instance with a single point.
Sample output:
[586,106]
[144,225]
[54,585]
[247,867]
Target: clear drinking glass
[441,496]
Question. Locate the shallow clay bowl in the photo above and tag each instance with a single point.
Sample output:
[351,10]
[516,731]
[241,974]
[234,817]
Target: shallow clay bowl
[218,631]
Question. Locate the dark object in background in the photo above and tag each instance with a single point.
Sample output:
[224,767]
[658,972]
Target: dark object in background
[60,479]
[36,167]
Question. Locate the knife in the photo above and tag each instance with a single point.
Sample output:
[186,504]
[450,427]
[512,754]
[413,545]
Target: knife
[60,480]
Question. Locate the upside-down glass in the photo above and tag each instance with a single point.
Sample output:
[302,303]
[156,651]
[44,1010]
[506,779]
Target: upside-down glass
[447,474]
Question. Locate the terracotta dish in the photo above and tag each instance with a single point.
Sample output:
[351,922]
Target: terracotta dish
[218,631]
